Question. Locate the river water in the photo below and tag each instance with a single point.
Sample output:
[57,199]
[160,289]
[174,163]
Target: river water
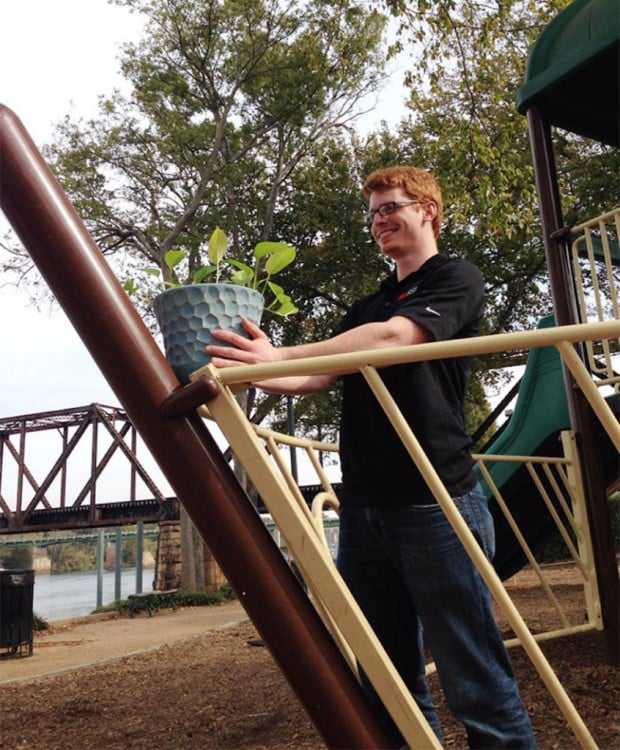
[65,595]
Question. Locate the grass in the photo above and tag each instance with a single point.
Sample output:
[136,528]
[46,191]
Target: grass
[179,599]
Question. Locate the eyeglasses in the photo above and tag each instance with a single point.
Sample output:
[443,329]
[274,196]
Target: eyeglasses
[387,208]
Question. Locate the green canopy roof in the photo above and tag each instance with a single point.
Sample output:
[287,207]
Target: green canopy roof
[573,72]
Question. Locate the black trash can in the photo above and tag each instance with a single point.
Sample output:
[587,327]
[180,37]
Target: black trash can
[16,595]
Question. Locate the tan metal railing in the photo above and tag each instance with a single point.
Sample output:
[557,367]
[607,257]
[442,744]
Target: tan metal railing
[306,545]
[563,488]
[595,251]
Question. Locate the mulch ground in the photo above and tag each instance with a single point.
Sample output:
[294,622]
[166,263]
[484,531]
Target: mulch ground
[219,691]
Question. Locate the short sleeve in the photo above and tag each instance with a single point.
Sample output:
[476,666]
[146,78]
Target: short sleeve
[448,302]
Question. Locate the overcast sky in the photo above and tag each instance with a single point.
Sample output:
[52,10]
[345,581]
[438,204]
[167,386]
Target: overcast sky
[55,58]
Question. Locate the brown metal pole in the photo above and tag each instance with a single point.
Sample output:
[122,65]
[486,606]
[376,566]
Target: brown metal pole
[129,358]
[582,418]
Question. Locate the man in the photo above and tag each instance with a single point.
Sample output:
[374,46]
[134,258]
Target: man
[397,552]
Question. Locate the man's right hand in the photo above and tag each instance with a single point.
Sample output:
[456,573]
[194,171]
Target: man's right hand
[242,351]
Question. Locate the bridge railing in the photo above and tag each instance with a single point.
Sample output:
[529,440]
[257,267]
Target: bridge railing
[84,447]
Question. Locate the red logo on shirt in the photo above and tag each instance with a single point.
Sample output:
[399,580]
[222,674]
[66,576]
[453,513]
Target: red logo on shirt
[406,294]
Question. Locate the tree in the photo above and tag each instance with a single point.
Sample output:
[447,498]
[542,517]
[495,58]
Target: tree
[18,557]
[242,114]
[467,63]
[465,127]
[227,96]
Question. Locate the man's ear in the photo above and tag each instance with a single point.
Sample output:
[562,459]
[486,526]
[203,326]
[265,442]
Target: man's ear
[430,210]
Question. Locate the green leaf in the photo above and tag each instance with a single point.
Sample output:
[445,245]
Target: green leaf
[286,305]
[173,257]
[244,275]
[287,308]
[281,258]
[202,273]
[280,255]
[267,248]
[218,244]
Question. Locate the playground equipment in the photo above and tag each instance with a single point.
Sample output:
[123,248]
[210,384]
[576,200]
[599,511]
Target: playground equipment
[536,502]
[303,632]
[572,82]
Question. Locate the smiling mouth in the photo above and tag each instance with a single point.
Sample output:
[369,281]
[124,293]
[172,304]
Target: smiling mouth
[384,234]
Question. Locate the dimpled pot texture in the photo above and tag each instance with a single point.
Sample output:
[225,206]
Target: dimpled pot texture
[187,315]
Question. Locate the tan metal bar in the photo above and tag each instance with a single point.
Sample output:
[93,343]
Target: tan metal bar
[523,544]
[584,537]
[554,514]
[591,392]
[552,634]
[613,214]
[568,488]
[597,292]
[338,363]
[286,474]
[323,478]
[493,458]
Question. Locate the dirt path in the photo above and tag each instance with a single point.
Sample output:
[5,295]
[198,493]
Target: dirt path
[97,639]
[186,683]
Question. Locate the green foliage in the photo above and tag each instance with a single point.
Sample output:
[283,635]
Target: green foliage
[180,599]
[270,258]
[465,128]
[73,556]
[556,549]
[129,550]
[477,409]
[242,113]
[16,558]
[39,623]
[202,598]
[227,98]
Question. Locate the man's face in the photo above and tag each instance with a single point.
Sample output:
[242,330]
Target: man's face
[399,232]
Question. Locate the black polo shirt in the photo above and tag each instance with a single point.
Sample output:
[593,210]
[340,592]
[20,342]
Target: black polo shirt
[446,297]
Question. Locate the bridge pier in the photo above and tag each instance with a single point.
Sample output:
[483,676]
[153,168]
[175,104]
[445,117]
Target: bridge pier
[169,561]
[214,577]
[168,557]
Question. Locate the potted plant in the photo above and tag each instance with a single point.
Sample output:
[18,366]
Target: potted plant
[217,296]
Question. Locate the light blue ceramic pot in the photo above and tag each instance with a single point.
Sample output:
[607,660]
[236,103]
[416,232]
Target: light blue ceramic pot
[187,315]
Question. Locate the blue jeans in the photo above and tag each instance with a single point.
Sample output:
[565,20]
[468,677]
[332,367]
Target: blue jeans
[414,580]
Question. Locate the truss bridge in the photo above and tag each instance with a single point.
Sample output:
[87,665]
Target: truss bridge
[77,468]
